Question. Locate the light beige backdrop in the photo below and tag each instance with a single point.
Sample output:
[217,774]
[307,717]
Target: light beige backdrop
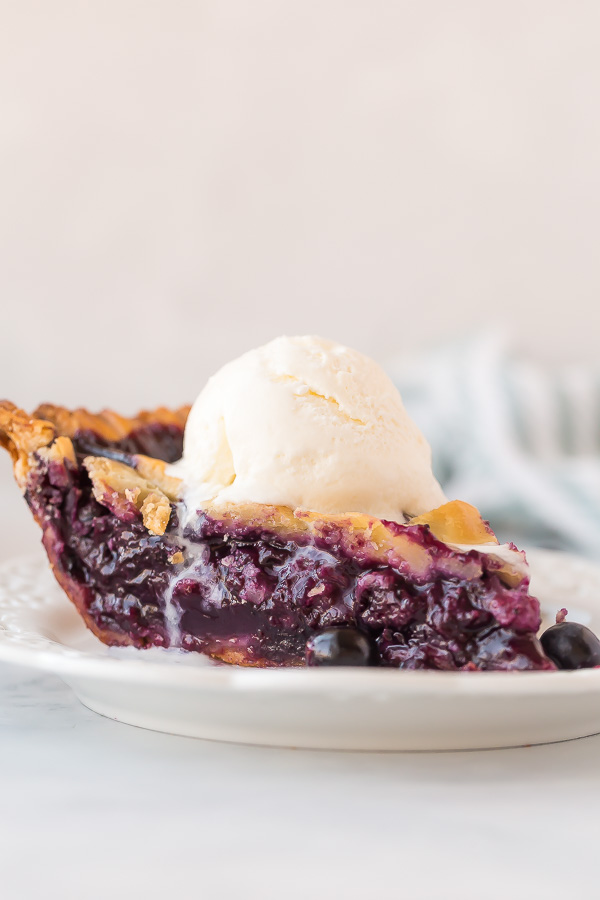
[180,181]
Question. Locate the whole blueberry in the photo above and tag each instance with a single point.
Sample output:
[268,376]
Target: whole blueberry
[571,646]
[343,646]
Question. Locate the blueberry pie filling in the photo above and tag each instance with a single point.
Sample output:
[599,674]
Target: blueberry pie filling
[257,584]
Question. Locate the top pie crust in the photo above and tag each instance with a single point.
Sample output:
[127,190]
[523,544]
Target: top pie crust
[142,485]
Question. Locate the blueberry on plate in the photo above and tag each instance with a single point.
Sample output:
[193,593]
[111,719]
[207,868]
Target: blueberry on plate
[571,646]
[339,647]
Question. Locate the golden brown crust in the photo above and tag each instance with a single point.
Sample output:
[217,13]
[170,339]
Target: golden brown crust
[234,658]
[381,540]
[155,470]
[457,522]
[146,488]
[48,432]
[124,489]
[61,449]
[108,424]
[22,435]
[239,658]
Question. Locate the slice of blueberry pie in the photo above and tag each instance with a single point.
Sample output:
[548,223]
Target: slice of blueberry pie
[290,518]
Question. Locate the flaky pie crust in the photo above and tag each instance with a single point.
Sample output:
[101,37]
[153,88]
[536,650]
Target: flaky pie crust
[147,486]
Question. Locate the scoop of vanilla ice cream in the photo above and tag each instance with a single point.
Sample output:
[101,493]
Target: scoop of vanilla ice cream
[304,422]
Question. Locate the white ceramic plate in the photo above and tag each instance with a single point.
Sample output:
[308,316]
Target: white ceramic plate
[346,709]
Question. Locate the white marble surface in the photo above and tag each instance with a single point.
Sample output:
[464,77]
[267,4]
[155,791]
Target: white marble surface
[94,809]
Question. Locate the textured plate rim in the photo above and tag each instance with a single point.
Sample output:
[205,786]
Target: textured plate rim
[35,650]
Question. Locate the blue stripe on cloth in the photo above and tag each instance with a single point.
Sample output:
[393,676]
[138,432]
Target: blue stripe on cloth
[519,442]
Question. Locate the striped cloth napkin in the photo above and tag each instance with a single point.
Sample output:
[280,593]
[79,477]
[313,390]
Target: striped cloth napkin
[519,442]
